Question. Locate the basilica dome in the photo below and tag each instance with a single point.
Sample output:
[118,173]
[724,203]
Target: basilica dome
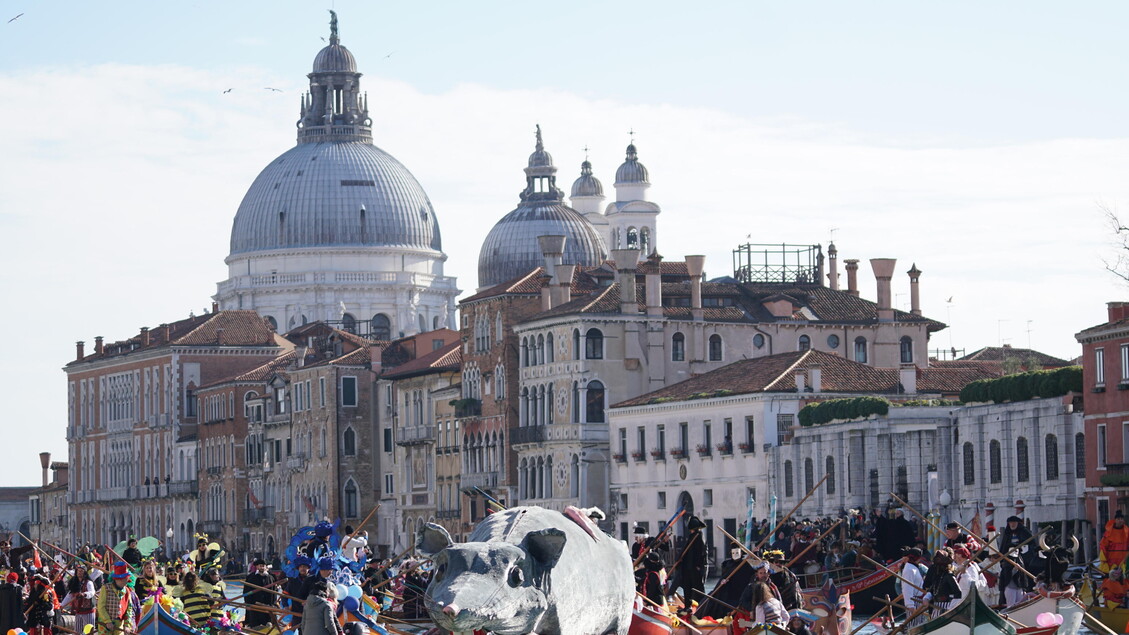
[511,248]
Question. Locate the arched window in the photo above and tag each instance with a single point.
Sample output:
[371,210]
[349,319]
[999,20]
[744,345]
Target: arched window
[273,322]
[524,412]
[645,240]
[789,487]
[809,474]
[995,469]
[1079,455]
[549,404]
[524,352]
[575,402]
[350,499]
[632,238]
[860,349]
[348,323]
[349,441]
[382,327]
[678,348]
[1051,456]
[549,477]
[594,344]
[576,343]
[829,467]
[574,477]
[1022,462]
[595,405]
[969,464]
[906,347]
[805,343]
[549,348]
[715,348]
[523,479]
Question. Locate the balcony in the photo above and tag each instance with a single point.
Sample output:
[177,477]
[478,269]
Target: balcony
[296,461]
[258,514]
[214,470]
[468,407]
[678,453]
[415,435]
[449,513]
[211,527]
[553,432]
[484,480]
[1116,475]
[184,488]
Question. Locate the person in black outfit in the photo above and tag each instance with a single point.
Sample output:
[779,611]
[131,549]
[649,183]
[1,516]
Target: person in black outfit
[296,586]
[132,554]
[784,579]
[941,587]
[648,580]
[648,543]
[691,568]
[258,597]
[11,604]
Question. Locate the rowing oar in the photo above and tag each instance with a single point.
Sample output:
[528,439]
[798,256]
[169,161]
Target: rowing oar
[1094,622]
[265,608]
[668,613]
[794,510]
[697,535]
[911,617]
[744,560]
[360,526]
[658,537]
[889,605]
[278,593]
[895,573]
[65,552]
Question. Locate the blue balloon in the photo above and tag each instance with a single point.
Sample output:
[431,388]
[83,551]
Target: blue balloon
[355,592]
[342,591]
[350,603]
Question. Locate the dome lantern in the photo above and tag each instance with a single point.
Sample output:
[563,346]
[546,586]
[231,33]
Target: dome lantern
[334,108]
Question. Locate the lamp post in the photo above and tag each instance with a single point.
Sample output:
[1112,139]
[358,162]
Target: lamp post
[168,542]
[945,499]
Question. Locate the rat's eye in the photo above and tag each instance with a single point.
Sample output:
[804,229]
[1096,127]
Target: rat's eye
[515,577]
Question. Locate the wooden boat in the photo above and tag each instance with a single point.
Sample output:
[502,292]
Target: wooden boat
[1115,619]
[1027,613]
[973,616]
[868,589]
[158,621]
[650,621]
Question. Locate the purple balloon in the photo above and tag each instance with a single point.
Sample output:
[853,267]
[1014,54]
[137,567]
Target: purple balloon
[350,603]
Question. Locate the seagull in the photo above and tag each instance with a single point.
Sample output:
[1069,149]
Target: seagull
[950,299]
[14,19]
[389,55]
[227,91]
[277,90]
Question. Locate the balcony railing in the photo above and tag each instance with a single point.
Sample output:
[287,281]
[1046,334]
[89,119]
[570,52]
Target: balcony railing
[415,435]
[484,480]
[211,527]
[258,514]
[528,434]
[214,470]
[184,488]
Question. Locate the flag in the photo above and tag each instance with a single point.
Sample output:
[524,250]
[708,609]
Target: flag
[976,526]
[35,561]
[254,499]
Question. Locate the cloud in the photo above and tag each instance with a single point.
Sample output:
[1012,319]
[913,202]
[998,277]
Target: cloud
[122,181]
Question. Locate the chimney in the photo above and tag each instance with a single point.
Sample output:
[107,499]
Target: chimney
[800,388]
[907,375]
[80,349]
[546,291]
[833,264]
[914,293]
[883,273]
[552,249]
[98,345]
[852,267]
[815,373]
[300,353]
[694,266]
[654,286]
[45,463]
[219,337]
[215,307]
[1117,310]
[564,283]
[166,333]
[626,262]
[145,336]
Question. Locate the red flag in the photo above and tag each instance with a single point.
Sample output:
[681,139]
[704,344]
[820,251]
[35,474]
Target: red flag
[35,561]
[976,526]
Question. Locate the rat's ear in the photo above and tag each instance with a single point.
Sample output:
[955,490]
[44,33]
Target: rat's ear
[545,546]
[432,539]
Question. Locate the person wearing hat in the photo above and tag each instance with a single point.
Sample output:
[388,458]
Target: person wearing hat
[644,542]
[912,578]
[968,572]
[1114,589]
[39,607]
[691,564]
[80,597]
[196,595]
[784,580]
[212,576]
[326,568]
[320,614]
[259,597]
[11,603]
[1015,542]
[941,589]
[956,537]
[649,580]
[296,586]
[110,619]
[1114,545]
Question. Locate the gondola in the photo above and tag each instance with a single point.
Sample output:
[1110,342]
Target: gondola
[1027,613]
[158,621]
[973,616]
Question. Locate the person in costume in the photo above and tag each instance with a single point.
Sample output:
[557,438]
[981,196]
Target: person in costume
[644,542]
[968,573]
[148,582]
[691,567]
[766,608]
[296,586]
[11,603]
[913,579]
[350,546]
[80,598]
[649,580]
[1014,583]
[196,596]
[132,554]
[117,606]
[205,553]
[956,537]
[1114,545]
[213,579]
[258,597]
[320,614]
[784,579]
[326,568]
[39,605]
[1114,588]
[941,588]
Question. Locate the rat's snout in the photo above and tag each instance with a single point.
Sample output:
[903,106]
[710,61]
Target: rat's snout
[451,609]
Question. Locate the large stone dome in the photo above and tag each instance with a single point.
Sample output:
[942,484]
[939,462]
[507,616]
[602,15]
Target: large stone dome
[334,193]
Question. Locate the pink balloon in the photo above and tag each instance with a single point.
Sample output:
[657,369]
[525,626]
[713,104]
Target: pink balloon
[1058,619]
[1045,620]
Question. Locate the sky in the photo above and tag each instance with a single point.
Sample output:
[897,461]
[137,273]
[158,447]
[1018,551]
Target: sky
[983,142]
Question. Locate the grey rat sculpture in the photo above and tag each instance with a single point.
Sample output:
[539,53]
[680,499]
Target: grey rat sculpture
[530,570]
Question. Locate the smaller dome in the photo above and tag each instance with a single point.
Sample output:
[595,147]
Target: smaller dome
[587,185]
[335,59]
[632,171]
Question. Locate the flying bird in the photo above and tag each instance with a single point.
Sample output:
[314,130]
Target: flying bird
[277,90]
[227,91]
[389,55]
[14,19]
[950,299]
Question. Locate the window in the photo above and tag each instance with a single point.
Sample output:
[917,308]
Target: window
[349,323]
[641,440]
[809,474]
[549,348]
[750,435]
[594,344]
[595,403]
[349,441]
[678,348]
[906,347]
[1022,465]
[388,439]
[829,467]
[805,343]
[1125,363]
[348,391]
[995,469]
[623,442]
[707,498]
[321,391]
[662,500]
[1099,366]
[1051,457]
[969,466]
[1079,455]
[1101,446]
[388,489]
[789,488]
[662,438]
[715,348]
[707,435]
[350,499]
[833,341]
[860,349]
[684,436]
[758,340]
[576,343]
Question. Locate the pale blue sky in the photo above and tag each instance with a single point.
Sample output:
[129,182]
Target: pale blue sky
[976,139]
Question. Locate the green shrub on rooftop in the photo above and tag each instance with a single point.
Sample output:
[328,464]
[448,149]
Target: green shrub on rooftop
[847,409]
[1023,386]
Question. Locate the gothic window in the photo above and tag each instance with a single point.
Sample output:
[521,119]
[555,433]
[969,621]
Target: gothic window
[574,477]
[678,348]
[860,349]
[830,470]
[351,499]
[789,487]
[995,470]
[595,402]
[349,441]
[969,466]
[1051,456]
[524,352]
[549,348]
[575,402]
[540,350]
[1022,464]
[805,343]
[594,344]
[715,348]
[576,343]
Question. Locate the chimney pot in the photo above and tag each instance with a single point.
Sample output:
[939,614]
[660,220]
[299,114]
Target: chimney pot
[564,275]
[626,263]
[1117,310]
[907,375]
[45,463]
[801,381]
[833,264]
[914,292]
[815,373]
[695,265]
[145,336]
[883,273]
[552,250]
[80,349]
[98,347]
[166,332]
[215,307]
[852,267]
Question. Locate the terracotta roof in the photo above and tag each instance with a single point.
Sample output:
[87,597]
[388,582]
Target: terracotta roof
[444,358]
[301,334]
[358,357]
[10,494]
[260,374]
[1098,329]
[239,328]
[531,283]
[1024,355]
[776,373]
